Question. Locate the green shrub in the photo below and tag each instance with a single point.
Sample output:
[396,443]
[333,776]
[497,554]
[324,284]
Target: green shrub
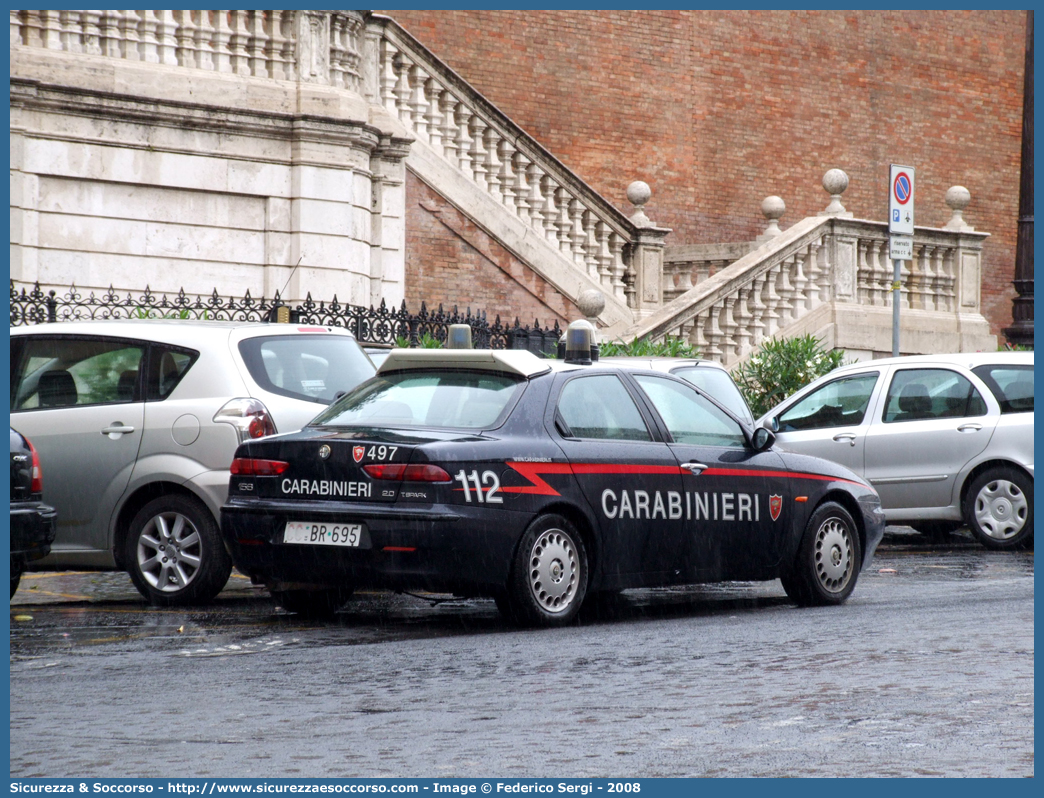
[671,346]
[154,313]
[426,341]
[782,366]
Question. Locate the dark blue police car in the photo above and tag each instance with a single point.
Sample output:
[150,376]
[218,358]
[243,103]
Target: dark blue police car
[538,483]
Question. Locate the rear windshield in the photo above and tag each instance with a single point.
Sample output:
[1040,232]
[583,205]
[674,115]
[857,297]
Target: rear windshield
[315,368]
[465,399]
[1012,385]
[719,384]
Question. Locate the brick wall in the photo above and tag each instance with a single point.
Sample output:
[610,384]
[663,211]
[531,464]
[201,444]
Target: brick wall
[716,110]
[451,260]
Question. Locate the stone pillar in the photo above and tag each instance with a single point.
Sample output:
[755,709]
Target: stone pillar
[968,268]
[370,61]
[387,221]
[313,46]
[646,253]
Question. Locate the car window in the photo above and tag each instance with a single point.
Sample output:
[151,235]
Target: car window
[471,400]
[600,407]
[167,365]
[1011,385]
[923,394]
[718,384]
[67,372]
[839,403]
[310,367]
[690,418]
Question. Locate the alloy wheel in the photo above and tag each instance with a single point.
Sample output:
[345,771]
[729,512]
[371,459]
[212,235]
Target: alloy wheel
[169,552]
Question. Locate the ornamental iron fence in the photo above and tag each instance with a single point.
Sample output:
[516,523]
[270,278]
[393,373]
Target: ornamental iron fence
[381,326]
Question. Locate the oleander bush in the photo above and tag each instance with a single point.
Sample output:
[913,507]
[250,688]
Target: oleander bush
[780,367]
[671,346]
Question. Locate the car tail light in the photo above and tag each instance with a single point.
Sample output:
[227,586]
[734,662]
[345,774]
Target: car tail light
[251,467]
[249,416]
[37,485]
[408,473]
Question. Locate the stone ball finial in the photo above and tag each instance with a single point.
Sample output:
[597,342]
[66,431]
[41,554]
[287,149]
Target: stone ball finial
[958,197]
[591,303]
[772,208]
[835,182]
[638,193]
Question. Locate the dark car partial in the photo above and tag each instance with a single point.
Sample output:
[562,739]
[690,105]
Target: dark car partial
[33,523]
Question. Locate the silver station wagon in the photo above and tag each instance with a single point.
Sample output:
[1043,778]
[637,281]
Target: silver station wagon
[138,422]
[945,439]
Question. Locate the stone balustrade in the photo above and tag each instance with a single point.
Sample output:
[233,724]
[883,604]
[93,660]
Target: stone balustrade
[311,46]
[447,114]
[688,265]
[826,260]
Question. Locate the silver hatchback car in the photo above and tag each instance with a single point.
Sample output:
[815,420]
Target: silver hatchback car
[944,439]
[138,422]
[708,375]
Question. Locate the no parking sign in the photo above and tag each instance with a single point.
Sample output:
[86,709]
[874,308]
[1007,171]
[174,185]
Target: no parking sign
[901,200]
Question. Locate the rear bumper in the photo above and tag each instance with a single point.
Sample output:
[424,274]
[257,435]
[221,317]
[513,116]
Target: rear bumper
[460,550]
[33,527]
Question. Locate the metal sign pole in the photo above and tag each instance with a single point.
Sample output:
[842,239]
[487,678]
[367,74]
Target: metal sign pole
[896,267]
[900,235]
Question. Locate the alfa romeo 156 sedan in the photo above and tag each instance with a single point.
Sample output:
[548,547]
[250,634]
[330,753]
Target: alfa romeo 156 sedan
[537,483]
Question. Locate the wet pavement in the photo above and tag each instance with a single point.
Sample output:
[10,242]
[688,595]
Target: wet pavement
[927,670]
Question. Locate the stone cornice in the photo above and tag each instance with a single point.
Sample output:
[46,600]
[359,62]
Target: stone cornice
[34,95]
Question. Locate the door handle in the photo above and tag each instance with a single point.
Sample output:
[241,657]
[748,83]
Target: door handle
[116,429]
[846,436]
[972,427]
[694,468]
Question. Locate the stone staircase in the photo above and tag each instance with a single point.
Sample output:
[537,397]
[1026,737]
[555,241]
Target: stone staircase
[494,172]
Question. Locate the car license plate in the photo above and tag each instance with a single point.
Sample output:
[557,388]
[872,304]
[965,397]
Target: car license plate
[316,533]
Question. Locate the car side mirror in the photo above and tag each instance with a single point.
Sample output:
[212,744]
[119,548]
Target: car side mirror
[762,439]
[774,423]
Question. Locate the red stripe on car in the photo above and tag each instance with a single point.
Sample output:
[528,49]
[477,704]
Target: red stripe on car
[539,487]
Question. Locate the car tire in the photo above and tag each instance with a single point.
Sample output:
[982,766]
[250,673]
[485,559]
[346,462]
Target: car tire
[828,560]
[16,576]
[312,603]
[548,579]
[199,566]
[999,508]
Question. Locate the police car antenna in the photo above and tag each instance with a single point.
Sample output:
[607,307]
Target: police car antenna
[291,275]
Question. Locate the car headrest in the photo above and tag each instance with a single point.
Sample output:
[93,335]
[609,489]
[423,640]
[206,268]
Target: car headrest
[1020,394]
[914,398]
[125,386]
[57,389]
